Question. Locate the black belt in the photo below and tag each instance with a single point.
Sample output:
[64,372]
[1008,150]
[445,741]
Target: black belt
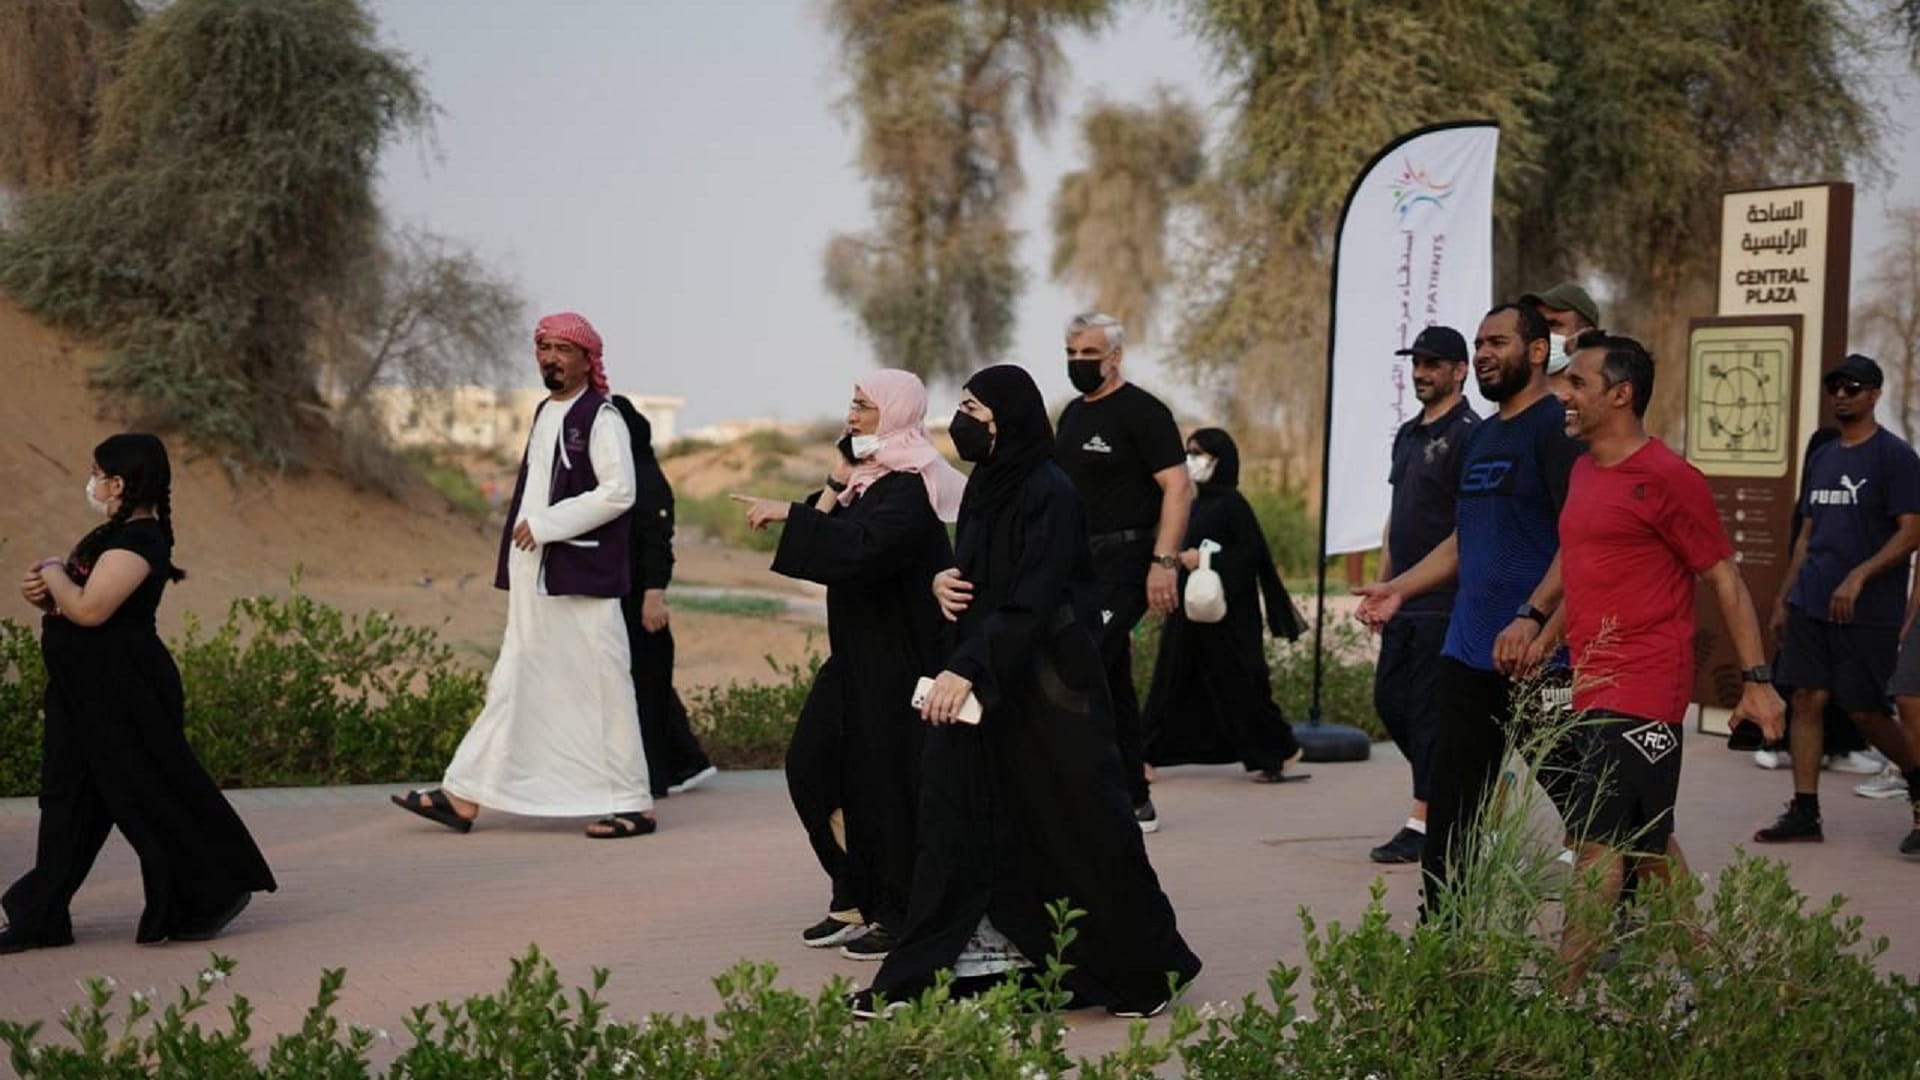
[1114,539]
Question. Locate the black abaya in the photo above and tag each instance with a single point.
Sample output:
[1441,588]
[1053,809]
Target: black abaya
[877,557]
[1211,700]
[673,751]
[1031,805]
[116,754]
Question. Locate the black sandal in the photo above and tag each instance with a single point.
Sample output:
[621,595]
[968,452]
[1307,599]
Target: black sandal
[433,806]
[623,826]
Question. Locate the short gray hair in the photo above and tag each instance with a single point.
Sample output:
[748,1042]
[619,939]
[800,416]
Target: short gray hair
[1116,334]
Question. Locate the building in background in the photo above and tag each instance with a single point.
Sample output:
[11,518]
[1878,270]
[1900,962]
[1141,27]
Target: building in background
[490,419]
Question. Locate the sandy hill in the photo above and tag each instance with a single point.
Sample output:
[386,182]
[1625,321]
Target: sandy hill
[242,530]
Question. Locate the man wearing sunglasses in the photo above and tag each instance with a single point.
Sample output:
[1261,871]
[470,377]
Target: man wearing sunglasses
[1840,613]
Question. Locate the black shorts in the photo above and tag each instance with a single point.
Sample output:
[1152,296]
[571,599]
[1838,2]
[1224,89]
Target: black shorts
[1406,694]
[1853,663]
[1906,670]
[1629,777]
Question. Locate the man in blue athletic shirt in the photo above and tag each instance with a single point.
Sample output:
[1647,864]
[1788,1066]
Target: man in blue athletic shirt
[1505,557]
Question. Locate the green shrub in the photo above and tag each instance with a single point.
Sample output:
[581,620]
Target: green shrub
[454,484]
[1291,532]
[286,691]
[747,725]
[748,607]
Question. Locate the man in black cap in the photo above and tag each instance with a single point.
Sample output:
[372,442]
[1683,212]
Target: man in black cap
[1845,599]
[1569,311]
[1427,451]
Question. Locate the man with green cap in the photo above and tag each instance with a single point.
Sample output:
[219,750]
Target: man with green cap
[1568,309]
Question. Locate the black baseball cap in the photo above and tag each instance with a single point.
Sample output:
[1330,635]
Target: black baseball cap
[1860,369]
[1441,343]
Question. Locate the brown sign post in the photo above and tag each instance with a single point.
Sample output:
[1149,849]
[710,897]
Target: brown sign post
[1753,391]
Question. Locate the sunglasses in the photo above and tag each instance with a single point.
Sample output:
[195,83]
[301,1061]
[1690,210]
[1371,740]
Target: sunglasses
[1846,387]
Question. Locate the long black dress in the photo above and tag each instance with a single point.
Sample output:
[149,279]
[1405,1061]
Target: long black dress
[116,754]
[673,751]
[1211,700]
[1031,805]
[858,737]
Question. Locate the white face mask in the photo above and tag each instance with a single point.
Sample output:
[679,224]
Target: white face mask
[863,446]
[1201,467]
[1557,358]
[93,497]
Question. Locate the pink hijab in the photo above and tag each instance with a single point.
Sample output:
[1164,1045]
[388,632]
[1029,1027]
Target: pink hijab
[574,328]
[902,399]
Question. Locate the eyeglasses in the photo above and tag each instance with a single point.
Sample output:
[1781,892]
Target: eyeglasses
[1846,388]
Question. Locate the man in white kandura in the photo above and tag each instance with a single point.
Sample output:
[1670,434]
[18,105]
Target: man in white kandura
[559,735]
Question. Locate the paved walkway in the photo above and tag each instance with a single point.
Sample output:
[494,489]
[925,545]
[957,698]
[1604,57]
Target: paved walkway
[415,913]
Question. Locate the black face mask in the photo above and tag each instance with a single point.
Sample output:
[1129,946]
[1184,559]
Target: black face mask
[1085,375]
[845,446]
[971,439]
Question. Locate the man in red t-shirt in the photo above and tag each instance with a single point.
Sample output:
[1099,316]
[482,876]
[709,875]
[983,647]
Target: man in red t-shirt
[1638,528]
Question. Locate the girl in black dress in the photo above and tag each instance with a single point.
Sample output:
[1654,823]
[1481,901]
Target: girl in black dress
[115,751]
[1030,805]
[1212,699]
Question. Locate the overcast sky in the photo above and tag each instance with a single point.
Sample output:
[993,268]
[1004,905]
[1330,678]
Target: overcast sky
[672,170]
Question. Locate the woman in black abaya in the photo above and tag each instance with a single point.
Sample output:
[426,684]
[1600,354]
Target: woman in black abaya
[1030,805]
[874,543]
[115,753]
[1212,699]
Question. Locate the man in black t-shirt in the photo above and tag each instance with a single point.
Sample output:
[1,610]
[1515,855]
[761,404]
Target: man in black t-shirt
[1123,452]
[1427,454]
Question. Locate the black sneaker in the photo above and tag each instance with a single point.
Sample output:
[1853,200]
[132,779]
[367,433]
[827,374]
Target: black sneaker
[1403,848]
[1148,819]
[875,944]
[1911,845]
[831,931]
[1794,825]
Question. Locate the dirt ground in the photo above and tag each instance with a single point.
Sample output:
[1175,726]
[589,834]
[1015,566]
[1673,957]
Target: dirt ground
[242,530]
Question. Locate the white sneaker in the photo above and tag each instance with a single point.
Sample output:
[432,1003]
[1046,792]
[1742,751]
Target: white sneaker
[1888,785]
[1858,762]
[1565,858]
[695,780]
[1772,759]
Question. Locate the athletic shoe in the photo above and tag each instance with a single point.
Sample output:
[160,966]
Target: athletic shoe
[694,781]
[1566,857]
[875,944]
[864,1006]
[1147,817]
[1772,759]
[1911,845]
[1796,824]
[1858,762]
[831,931]
[1403,848]
[1888,785]
[1138,1012]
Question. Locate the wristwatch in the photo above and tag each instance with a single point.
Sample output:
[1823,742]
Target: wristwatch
[1528,611]
[835,486]
[1171,562]
[1760,674]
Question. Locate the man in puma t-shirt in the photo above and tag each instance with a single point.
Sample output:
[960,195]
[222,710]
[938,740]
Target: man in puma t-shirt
[1639,527]
[1123,452]
[1845,599]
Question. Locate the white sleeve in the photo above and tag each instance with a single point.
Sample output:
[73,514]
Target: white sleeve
[610,449]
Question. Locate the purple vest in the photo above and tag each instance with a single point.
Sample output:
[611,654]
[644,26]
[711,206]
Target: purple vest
[595,563]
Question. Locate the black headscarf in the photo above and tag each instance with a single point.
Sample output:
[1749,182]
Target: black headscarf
[1023,437]
[1226,459]
[1023,441]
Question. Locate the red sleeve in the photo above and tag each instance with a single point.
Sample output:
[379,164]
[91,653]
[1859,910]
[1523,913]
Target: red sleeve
[1690,521]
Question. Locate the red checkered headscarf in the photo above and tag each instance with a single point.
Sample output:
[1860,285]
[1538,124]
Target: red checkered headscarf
[572,327]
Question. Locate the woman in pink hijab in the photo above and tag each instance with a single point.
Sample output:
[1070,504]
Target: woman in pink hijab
[874,538]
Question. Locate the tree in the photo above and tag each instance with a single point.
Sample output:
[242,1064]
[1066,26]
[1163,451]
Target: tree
[1889,321]
[55,58]
[227,194]
[421,313]
[1110,218]
[940,87]
[1620,125]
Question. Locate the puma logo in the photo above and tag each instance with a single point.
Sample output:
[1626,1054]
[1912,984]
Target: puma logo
[1847,495]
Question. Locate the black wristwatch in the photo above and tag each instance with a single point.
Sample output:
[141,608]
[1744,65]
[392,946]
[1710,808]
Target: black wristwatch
[835,486]
[1760,674]
[1171,562]
[1528,611]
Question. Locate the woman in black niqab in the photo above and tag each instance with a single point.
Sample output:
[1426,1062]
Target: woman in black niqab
[1029,806]
[1211,700]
